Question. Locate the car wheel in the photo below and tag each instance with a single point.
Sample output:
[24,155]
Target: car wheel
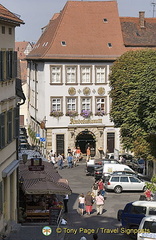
[119,215]
[118,189]
[144,189]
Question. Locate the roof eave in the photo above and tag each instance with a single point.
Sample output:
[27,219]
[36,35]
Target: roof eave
[17,23]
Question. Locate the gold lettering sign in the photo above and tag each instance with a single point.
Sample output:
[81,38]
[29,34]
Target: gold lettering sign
[84,121]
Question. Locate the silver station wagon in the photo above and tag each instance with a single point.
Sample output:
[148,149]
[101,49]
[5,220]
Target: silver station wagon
[121,183]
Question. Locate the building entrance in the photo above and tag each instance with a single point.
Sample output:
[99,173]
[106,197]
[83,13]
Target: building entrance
[85,139]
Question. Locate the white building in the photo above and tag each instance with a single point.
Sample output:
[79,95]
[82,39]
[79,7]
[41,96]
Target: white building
[9,119]
[68,74]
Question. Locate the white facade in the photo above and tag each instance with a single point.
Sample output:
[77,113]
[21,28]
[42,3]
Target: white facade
[61,87]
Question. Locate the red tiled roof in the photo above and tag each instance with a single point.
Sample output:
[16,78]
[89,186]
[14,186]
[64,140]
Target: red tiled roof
[6,15]
[81,26]
[136,36]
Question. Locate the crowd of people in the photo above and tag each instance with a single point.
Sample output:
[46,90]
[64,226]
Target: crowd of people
[73,157]
[95,196]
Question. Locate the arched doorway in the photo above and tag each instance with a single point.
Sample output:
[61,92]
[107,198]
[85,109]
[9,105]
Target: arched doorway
[85,139]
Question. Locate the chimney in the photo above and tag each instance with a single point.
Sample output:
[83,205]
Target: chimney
[142,19]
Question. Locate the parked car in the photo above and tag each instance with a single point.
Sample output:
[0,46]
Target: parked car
[121,183]
[94,164]
[147,228]
[131,216]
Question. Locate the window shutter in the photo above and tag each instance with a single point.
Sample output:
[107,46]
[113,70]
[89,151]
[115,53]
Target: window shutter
[1,66]
[14,69]
[1,198]
[16,122]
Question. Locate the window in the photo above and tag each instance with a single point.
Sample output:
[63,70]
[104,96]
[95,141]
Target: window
[56,104]
[3,30]
[86,104]
[63,43]
[109,45]
[138,210]
[124,179]
[10,31]
[152,211]
[71,73]
[56,74]
[85,75]
[115,179]
[71,104]
[100,104]
[8,65]
[100,77]
[2,130]
[134,180]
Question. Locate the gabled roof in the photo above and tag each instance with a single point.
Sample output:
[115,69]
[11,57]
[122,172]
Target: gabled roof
[20,47]
[7,16]
[136,36]
[82,30]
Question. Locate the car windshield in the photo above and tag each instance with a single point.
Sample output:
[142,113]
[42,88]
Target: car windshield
[150,225]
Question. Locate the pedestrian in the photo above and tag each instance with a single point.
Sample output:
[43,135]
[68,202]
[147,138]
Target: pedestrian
[95,236]
[88,154]
[95,188]
[69,151]
[99,203]
[101,187]
[65,202]
[148,194]
[70,160]
[60,161]
[78,153]
[81,203]
[52,159]
[88,203]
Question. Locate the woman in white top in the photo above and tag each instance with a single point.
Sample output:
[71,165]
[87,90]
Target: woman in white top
[81,203]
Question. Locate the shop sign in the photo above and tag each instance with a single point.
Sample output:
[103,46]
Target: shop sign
[85,121]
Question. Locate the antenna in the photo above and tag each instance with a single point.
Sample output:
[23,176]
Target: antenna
[154,4]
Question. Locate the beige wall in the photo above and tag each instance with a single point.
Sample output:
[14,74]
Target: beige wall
[6,40]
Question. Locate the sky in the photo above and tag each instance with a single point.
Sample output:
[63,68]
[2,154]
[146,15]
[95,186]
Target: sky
[37,13]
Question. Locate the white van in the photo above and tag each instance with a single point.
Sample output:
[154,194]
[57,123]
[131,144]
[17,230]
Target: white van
[109,168]
[147,228]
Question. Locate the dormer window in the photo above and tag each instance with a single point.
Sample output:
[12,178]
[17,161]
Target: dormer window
[105,20]
[63,43]
[109,45]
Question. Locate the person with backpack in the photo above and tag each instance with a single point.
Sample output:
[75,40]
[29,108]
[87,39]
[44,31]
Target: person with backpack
[95,188]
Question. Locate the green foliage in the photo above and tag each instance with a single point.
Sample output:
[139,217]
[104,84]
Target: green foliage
[133,93]
[152,185]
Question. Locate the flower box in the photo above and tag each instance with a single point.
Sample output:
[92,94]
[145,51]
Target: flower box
[86,113]
[56,114]
[71,113]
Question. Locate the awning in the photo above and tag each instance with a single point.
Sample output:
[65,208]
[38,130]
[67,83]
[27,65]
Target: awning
[9,169]
[47,181]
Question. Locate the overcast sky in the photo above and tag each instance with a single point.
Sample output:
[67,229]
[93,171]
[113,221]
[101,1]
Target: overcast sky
[37,13]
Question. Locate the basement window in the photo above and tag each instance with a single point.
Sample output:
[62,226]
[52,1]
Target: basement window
[63,43]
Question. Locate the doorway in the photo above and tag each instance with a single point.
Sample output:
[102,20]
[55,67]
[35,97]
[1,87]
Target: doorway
[85,139]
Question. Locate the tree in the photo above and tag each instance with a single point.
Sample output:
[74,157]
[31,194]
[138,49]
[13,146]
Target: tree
[133,93]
